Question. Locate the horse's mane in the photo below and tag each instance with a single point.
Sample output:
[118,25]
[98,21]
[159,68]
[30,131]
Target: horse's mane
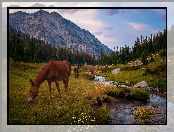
[41,76]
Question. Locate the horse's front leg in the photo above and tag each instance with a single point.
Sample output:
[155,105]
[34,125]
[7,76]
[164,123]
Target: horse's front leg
[49,84]
[58,89]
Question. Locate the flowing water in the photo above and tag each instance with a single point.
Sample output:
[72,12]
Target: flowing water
[121,110]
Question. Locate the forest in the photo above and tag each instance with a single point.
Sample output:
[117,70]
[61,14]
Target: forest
[23,47]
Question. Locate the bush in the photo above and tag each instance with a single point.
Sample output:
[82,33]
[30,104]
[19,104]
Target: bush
[114,92]
[144,114]
[90,77]
[161,84]
[136,94]
[155,68]
[106,99]
[139,94]
[132,68]
[102,115]
[125,92]
[144,60]
[163,53]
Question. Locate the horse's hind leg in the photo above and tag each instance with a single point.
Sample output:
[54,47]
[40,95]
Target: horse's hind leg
[65,81]
[58,89]
[49,84]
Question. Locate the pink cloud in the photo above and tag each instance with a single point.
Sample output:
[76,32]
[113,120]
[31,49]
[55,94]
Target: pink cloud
[139,27]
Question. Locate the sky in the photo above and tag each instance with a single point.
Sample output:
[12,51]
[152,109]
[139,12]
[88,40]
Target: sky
[113,27]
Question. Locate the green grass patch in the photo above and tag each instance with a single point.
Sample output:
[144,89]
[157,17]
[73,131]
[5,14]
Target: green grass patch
[73,108]
[139,94]
[90,77]
[135,76]
[130,93]
[156,68]
[131,76]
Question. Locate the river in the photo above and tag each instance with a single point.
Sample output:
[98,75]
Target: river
[121,110]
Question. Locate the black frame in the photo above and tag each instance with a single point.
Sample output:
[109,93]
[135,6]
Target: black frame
[8,8]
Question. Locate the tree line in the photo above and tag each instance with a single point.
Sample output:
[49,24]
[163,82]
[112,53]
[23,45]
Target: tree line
[142,48]
[26,48]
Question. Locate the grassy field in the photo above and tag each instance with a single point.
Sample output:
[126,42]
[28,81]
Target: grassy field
[154,74]
[76,107]
[79,105]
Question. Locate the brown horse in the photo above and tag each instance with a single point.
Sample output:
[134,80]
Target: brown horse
[53,71]
[76,71]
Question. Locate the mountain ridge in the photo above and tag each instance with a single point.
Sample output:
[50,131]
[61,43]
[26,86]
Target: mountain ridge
[58,31]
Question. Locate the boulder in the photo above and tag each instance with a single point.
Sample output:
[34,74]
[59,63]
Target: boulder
[116,71]
[122,86]
[112,83]
[142,84]
[100,79]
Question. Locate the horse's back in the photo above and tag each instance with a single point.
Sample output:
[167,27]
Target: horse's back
[58,70]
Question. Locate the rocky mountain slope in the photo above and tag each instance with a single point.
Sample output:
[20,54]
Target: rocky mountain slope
[58,31]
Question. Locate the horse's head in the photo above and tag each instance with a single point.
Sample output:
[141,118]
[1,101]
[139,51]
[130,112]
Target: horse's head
[33,92]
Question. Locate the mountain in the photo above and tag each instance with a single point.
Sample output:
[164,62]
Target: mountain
[58,31]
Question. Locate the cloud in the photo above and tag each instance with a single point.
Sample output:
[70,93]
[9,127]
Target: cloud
[97,33]
[86,19]
[109,41]
[110,35]
[138,26]
[108,28]
[116,29]
[137,29]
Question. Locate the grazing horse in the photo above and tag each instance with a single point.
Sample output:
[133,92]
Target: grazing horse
[53,71]
[76,71]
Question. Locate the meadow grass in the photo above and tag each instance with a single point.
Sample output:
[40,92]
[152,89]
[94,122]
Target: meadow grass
[135,76]
[78,106]
[75,107]
[129,93]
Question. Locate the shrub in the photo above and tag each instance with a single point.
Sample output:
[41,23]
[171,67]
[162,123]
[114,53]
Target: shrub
[106,99]
[163,53]
[114,92]
[144,60]
[161,84]
[136,94]
[125,92]
[155,68]
[102,115]
[90,77]
[130,68]
[144,114]
[139,94]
